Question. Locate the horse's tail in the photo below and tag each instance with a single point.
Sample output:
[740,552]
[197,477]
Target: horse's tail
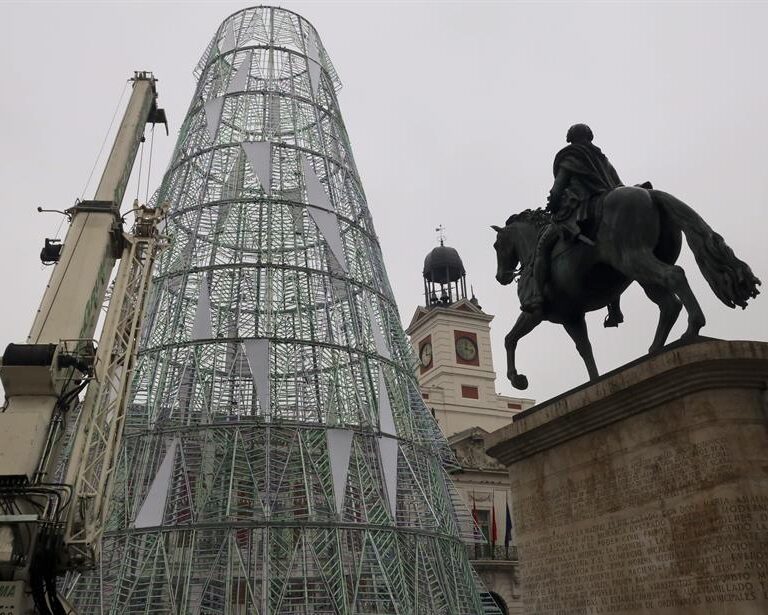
[731,279]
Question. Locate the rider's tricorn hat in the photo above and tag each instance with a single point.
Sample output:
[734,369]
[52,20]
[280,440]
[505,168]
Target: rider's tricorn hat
[579,133]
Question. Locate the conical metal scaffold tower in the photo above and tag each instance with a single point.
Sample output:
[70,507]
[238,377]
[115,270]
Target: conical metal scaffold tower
[278,457]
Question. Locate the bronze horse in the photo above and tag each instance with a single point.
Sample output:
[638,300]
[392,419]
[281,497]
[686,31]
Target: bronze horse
[638,238]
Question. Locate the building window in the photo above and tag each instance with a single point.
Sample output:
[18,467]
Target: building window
[500,603]
[483,519]
[484,523]
[512,406]
[425,395]
[469,392]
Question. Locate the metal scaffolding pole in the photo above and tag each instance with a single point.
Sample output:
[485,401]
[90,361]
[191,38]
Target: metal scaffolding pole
[278,456]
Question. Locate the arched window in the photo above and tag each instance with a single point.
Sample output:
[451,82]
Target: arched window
[500,603]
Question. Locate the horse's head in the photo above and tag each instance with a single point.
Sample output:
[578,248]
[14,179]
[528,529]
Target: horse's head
[516,242]
[506,255]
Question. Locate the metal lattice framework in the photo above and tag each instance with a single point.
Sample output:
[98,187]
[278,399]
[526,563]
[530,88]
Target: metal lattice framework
[278,457]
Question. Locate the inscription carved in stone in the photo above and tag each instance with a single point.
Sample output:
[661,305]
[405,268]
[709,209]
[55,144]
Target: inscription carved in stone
[646,493]
[668,552]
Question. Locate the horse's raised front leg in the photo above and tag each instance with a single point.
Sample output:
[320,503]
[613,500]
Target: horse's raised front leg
[526,323]
[577,329]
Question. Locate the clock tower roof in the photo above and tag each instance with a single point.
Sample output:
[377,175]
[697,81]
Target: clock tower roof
[443,265]
[444,277]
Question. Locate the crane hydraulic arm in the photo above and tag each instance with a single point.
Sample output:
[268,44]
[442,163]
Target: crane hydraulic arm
[49,527]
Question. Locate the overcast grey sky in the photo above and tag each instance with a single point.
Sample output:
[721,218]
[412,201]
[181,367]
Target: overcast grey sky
[455,111]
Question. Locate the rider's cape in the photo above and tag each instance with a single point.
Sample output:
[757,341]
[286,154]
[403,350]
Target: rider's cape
[591,177]
[586,161]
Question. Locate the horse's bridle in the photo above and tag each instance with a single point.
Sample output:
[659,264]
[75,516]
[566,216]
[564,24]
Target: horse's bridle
[515,273]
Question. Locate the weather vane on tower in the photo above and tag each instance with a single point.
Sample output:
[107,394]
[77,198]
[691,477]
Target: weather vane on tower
[440,230]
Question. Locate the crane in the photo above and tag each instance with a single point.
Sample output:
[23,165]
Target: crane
[53,506]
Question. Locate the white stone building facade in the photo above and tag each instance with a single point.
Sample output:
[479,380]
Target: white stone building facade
[452,339]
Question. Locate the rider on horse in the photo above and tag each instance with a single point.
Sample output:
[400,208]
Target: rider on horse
[629,234]
[582,173]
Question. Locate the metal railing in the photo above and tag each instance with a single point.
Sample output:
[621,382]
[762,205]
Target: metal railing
[489,552]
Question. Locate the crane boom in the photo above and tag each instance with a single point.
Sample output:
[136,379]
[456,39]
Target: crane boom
[91,464]
[70,306]
[49,527]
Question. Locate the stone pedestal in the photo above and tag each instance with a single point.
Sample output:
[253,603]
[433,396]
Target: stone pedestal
[647,491]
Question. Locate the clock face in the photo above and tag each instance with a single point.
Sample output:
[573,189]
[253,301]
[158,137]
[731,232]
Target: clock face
[466,349]
[425,355]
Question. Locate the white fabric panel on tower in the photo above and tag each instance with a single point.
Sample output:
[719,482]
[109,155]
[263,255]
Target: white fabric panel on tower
[313,61]
[239,82]
[213,109]
[259,155]
[257,354]
[378,337]
[315,192]
[388,453]
[386,419]
[329,228]
[228,42]
[313,49]
[339,450]
[337,271]
[152,509]
[201,326]
[314,75]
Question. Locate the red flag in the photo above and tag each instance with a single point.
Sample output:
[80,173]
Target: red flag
[494,531]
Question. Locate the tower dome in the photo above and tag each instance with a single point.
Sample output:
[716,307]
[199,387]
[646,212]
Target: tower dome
[443,265]
[444,276]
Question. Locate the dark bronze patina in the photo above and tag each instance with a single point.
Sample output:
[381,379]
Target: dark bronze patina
[594,239]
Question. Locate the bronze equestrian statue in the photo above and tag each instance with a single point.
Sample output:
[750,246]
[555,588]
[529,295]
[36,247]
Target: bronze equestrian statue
[594,239]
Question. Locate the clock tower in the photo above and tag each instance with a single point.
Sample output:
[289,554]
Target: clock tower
[452,338]
[451,335]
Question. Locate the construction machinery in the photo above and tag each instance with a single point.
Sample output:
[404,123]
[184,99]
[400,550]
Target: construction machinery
[58,455]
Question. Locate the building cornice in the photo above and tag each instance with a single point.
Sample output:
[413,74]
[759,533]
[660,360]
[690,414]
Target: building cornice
[637,387]
[462,309]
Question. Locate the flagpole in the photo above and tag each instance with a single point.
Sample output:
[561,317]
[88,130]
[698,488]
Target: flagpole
[475,521]
[494,529]
[507,530]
